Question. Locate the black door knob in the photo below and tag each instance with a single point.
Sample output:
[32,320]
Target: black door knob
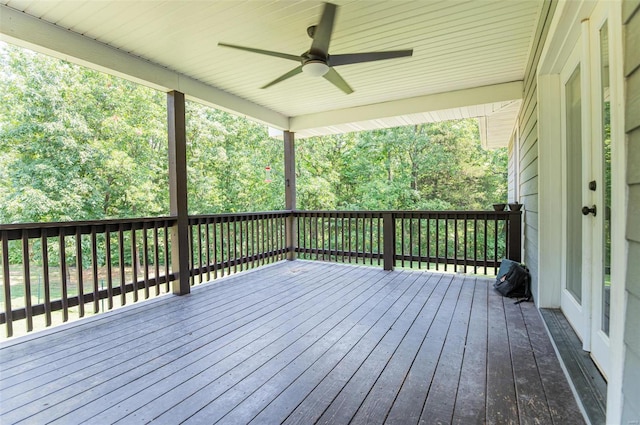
[587,210]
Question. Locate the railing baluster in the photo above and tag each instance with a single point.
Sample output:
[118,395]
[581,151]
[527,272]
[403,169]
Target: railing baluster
[247,239]
[357,218]
[228,257]
[94,270]
[156,258]
[253,242]
[192,260]
[234,257]
[199,250]
[63,275]
[45,278]
[215,249]
[167,260]
[134,264]
[270,238]
[428,241]
[27,280]
[7,285]
[446,242]
[262,239]
[455,244]
[466,228]
[340,216]
[107,248]
[379,246]
[411,241]
[79,266]
[495,245]
[326,232]
[321,235]
[419,242]
[145,258]
[486,265]
[301,235]
[123,294]
[475,244]
[315,238]
[437,257]
[369,230]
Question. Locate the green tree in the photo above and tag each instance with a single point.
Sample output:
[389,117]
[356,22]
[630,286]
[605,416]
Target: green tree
[77,144]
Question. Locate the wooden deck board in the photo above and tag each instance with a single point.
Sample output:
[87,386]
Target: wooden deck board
[441,399]
[296,342]
[471,396]
[411,398]
[502,405]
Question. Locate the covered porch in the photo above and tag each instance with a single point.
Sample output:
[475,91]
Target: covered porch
[297,342]
[338,357]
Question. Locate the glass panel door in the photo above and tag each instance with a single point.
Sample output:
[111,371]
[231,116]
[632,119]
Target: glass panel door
[572,185]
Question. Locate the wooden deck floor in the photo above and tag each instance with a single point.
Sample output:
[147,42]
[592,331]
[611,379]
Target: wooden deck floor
[297,342]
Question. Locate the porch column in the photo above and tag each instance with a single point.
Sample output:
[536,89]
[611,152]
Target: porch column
[290,192]
[178,191]
[515,236]
[389,240]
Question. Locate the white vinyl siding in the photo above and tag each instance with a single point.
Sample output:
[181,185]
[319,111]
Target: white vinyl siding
[631,374]
[528,149]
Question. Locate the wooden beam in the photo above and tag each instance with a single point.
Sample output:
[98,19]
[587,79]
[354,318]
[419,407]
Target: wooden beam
[290,192]
[420,104]
[178,191]
[27,31]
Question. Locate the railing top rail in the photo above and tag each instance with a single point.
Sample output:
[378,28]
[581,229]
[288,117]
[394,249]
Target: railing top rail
[74,224]
[64,224]
[278,213]
[433,212]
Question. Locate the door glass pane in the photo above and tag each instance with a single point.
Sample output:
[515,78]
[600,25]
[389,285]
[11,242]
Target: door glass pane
[606,168]
[574,185]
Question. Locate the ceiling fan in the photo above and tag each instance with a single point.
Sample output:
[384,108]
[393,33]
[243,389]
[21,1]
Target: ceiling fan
[317,61]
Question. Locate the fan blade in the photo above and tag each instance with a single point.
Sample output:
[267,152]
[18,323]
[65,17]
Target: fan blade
[336,60]
[335,79]
[289,74]
[263,52]
[322,35]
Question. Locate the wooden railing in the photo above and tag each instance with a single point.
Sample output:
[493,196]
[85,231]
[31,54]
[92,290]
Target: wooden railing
[466,241]
[54,267]
[51,271]
[228,243]
[341,236]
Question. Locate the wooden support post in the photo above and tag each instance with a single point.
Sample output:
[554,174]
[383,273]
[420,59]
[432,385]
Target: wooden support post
[178,191]
[290,193]
[389,234]
[515,233]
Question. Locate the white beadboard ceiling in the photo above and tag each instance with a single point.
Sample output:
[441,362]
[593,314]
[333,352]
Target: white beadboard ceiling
[469,57]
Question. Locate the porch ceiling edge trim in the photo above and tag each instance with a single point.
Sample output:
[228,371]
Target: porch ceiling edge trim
[421,104]
[22,29]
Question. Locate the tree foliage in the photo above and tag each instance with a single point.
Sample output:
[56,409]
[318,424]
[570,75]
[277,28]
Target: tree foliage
[77,144]
[436,166]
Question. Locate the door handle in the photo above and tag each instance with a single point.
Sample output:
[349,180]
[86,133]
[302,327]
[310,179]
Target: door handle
[587,210]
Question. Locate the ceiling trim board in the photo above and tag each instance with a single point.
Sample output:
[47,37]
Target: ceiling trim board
[420,104]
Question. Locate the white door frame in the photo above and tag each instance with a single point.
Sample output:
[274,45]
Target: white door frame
[565,29]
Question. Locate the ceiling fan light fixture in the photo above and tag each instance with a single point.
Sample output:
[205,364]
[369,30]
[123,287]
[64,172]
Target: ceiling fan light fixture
[315,68]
